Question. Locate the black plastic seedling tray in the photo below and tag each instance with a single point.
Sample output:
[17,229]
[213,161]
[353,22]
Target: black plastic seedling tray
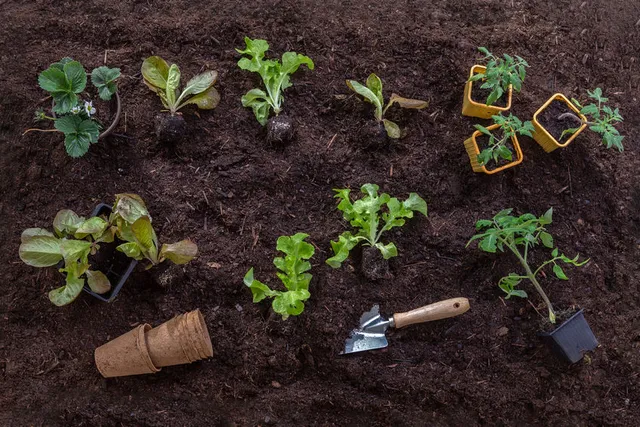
[572,339]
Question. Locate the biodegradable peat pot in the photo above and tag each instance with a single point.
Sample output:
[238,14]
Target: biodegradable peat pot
[572,338]
[471,145]
[114,122]
[548,128]
[118,269]
[473,108]
[126,355]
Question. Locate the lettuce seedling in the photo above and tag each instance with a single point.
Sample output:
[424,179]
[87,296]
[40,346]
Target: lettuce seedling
[497,148]
[365,214]
[500,73]
[602,119]
[76,238]
[372,93]
[518,235]
[65,81]
[276,76]
[293,274]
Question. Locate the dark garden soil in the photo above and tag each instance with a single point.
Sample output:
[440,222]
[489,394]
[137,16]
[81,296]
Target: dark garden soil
[483,143]
[549,119]
[480,95]
[233,194]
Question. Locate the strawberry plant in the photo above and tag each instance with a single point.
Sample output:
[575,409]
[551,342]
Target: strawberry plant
[74,116]
[372,93]
[366,215]
[76,238]
[293,274]
[602,119]
[276,77]
[519,234]
[500,73]
[496,148]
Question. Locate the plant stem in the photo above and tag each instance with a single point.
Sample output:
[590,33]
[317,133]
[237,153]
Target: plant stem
[574,117]
[39,130]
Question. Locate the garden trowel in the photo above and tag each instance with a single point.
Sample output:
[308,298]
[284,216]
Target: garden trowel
[370,335]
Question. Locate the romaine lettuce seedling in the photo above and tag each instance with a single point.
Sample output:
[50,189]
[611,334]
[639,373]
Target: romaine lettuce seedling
[164,80]
[293,274]
[76,238]
[500,73]
[366,214]
[497,148]
[276,78]
[372,93]
[603,119]
[518,235]
[74,117]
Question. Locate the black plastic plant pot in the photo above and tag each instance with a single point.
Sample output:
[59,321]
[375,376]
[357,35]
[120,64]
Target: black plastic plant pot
[118,270]
[572,339]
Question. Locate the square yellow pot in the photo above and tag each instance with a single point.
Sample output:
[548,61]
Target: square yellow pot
[473,150]
[544,138]
[472,108]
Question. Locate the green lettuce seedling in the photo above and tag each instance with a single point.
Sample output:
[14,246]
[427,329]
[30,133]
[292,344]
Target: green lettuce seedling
[372,93]
[65,81]
[518,235]
[500,73]
[497,148]
[76,238]
[365,215]
[602,119]
[293,274]
[164,80]
[275,76]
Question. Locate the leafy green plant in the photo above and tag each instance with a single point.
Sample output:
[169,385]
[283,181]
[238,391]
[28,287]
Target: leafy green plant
[293,274]
[500,73]
[497,148]
[164,80]
[372,93]
[602,119]
[518,234]
[275,76]
[65,81]
[365,215]
[76,238]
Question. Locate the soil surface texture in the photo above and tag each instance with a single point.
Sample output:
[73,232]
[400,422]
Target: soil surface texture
[550,119]
[227,189]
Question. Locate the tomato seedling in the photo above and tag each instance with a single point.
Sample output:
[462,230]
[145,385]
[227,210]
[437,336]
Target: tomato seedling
[497,147]
[500,73]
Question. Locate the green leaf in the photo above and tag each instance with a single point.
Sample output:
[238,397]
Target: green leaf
[483,130]
[53,80]
[76,76]
[146,238]
[180,253]
[256,49]
[393,131]
[155,72]
[368,95]
[589,110]
[483,223]
[200,83]
[173,83]
[258,100]
[67,293]
[74,251]
[41,251]
[131,249]
[559,272]
[488,243]
[94,226]
[547,218]
[130,207]
[375,85]
[79,134]
[547,239]
[207,100]
[104,78]
[66,222]
[554,253]
[98,282]
[415,203]
[258,289]
[290,303]
[387,251]
[341,249]
[29,233]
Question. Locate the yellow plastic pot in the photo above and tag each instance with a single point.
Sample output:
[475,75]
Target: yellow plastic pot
[472,108]
[473,150]
[544,138]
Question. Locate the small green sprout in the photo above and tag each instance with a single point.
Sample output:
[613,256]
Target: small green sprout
[497,148]
[372,93]
[500,73]
[293,274]
[364,214]
[602,119]
[519,234]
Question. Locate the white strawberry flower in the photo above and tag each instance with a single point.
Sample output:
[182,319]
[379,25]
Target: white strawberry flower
[89,108]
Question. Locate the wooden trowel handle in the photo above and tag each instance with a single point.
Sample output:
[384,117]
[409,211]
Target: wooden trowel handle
[438,310]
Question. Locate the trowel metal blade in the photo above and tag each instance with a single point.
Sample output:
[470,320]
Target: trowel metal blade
[370,335]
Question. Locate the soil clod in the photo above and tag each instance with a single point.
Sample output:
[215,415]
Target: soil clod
[170,129]
[374,266]
[280,130]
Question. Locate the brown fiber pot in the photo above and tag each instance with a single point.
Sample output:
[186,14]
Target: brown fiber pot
[126,355]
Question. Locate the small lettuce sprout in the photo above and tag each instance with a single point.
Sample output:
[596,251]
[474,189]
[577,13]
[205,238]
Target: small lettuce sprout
[365,215]
[65,81]
[497,148]
[293,274]
[76,238]
[275,76]
[500,73]
[602,119]
[164,80]
[518,235]
[372,93]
